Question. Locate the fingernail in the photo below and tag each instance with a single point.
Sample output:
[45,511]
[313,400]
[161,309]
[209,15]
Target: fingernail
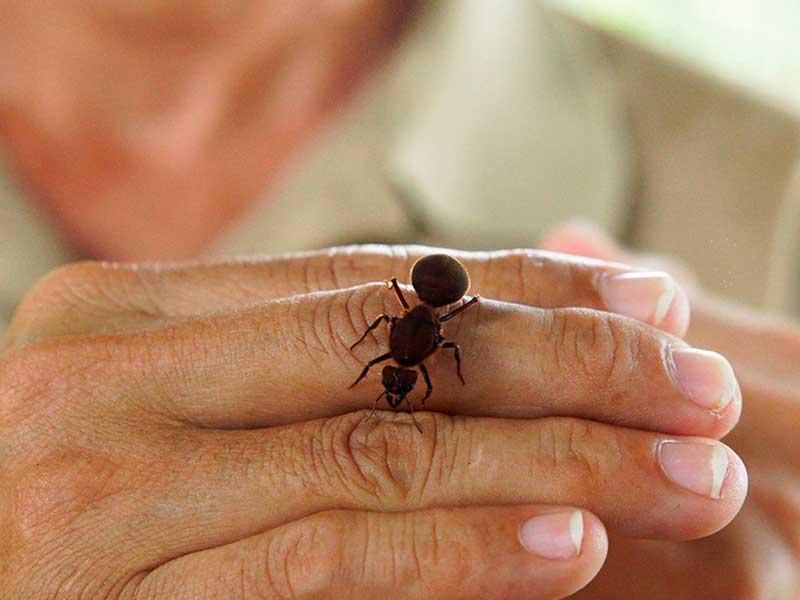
[554,535]
[643,296]
[705,377]
[696,466]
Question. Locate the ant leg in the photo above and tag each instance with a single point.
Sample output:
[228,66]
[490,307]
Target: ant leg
[455,347]
[374,406]
[413,418]
[375,323]
[460,309]
[392,284]
[428,385]
[371,363]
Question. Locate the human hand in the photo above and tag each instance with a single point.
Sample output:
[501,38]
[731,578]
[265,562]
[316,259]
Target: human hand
[758,554]
[185,432]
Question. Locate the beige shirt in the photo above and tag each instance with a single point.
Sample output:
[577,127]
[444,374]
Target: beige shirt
[495,121]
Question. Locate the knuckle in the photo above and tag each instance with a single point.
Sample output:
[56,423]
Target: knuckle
[386,462]
[585,452]
[43,499]
[560,280]
[340,266]
[503,271]
[359,263]
[600,347]
[301,560]
[525,267]
[339,319]
[324,327]
[349,316]
[67,297]
[316,272]
[355,310]
[434,551]
[63,288]
[438,550]
[69,278]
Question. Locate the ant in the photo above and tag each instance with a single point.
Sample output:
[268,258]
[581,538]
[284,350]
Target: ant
[439,280]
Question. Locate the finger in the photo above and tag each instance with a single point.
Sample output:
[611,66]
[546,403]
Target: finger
[442,554]
[290,360]
[579,238]
[583,238]
[113,297]
[763,349]
[223,486]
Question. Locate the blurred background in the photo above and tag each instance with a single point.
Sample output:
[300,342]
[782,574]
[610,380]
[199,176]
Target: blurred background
[724,76]
[161,130]
[747,44]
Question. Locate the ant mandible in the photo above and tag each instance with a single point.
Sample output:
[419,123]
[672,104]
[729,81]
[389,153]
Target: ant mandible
[416,333]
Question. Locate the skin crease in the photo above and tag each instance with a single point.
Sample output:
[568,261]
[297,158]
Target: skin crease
[197,107]
[758,554]
[180,436]
[143,128]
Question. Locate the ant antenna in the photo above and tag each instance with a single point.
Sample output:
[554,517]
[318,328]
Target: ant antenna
[413,418]
[374,406]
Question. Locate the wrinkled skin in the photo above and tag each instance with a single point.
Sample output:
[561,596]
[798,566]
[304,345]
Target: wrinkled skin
[185,431]
[758,555]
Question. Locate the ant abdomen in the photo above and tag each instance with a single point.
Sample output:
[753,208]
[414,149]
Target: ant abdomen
[439,280]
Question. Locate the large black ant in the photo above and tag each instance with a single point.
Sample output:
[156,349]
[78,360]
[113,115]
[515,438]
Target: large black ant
[439,280]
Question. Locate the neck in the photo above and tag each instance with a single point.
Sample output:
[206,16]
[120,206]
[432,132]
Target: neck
[144,129]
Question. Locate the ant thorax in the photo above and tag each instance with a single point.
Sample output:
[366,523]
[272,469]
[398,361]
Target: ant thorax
[413,336]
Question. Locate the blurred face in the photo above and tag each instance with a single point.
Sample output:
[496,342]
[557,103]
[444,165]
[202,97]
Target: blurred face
[160,10]
[200,16]
[124,116]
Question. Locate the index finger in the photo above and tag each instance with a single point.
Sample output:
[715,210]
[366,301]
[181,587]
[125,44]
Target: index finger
[118,297]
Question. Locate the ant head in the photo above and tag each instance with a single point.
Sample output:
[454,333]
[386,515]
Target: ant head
[439,280]
[398,383]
